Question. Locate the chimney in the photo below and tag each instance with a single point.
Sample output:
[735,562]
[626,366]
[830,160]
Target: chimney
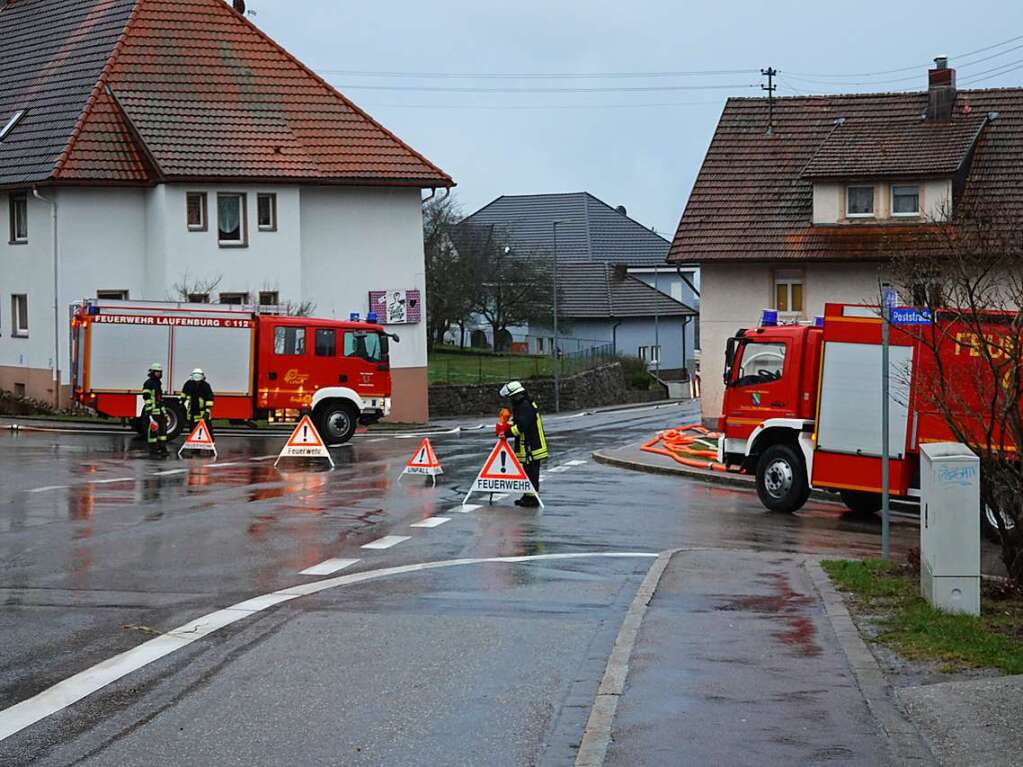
[941,90]
[239,5]
[621,209]
[620,272]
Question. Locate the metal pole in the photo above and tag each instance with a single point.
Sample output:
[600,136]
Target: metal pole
[885,501]
[557,361]
[657,323]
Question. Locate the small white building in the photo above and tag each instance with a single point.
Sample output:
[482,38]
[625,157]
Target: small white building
[152,149]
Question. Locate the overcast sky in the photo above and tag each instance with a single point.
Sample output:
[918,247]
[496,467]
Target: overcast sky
[638,148]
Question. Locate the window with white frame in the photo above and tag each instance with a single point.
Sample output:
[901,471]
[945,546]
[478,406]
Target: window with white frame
[19,315]
[231,220]
[195,206]
[788,291]
[266,212]
[269,298]
[18,206]
[859,201]
[905,200]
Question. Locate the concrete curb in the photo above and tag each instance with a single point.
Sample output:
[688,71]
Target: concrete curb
[597,736]
[905,742]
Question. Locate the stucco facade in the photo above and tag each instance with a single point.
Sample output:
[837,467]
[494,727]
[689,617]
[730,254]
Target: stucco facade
[733,298]
[331,246]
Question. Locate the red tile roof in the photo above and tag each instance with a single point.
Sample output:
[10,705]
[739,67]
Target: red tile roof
[882,147]
[190,89]
[752,201]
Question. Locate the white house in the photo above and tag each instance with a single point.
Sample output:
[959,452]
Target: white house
[151,148]
[801,202]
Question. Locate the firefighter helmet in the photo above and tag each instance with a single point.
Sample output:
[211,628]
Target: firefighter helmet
[156,367]
[198,375]
[512,388]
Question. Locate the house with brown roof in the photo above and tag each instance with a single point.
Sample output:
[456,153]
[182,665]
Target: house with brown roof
[801,200]
[154,149]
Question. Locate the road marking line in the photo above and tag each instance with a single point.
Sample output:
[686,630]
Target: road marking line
[386,542]
[226,463]
[48,487]
[558,469]
[169,472]
[431,522]
[499,496]
[61,695]
[576,462]
[108,481]
[465,508]
[265,457]
[328,566]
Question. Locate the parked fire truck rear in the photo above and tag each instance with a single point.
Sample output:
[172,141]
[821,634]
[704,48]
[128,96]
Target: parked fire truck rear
[260,363]
[802,406]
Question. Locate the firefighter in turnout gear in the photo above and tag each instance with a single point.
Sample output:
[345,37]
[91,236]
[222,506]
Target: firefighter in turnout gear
[153,411]
[526,426]
[197,399]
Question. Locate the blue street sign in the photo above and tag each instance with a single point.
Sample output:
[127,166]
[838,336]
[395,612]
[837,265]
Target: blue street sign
[907,315]
[889,298]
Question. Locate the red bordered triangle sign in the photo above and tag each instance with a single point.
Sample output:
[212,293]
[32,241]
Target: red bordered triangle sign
[423,462]
[502,473]
[305,442]
[199,439]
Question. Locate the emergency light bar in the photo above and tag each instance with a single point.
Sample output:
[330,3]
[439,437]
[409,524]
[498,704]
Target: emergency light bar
[769,318]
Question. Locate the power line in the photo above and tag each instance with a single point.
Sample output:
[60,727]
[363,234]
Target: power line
[990,74]
[516,107]
[536,75]
[597,89]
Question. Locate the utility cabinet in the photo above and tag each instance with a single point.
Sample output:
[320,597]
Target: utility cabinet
[950,527]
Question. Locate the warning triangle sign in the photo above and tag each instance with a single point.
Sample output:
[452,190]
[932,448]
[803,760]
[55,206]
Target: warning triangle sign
[502,473]
[305,442]
[199,439]
[423,462]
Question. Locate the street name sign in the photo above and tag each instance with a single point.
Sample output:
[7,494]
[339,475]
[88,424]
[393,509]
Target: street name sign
[502,473]
[908,315]
[305,442]
[199,439]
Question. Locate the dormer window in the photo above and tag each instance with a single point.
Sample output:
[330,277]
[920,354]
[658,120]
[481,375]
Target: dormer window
[905,200]
[859,201]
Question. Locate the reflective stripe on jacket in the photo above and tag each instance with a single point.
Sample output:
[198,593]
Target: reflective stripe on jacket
[152,397]
[527,428]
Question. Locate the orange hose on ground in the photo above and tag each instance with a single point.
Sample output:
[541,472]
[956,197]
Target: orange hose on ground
[680,445]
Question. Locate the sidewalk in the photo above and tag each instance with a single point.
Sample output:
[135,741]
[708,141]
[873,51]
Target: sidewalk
[737,663]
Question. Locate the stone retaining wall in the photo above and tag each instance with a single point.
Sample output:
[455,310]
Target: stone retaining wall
[598,387]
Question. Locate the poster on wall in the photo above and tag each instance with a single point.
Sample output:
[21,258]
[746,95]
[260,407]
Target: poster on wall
[395,307]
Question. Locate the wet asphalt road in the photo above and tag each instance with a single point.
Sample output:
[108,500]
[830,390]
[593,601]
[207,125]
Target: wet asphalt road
[102,549]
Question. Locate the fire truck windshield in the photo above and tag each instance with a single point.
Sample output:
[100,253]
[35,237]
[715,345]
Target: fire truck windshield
[760,363]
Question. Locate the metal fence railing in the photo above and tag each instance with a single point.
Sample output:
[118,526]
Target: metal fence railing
[466,368]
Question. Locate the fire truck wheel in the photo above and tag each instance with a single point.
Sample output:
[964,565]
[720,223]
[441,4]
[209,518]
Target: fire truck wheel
[336,422]
[175,419]
[989,523]
[861,503]
[781,479]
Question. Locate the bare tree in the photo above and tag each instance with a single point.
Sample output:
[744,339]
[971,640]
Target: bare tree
[968,272]
[297,308]
[190,289]
[451,284]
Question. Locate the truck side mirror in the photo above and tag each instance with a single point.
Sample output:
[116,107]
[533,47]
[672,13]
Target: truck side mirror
[394,337]
[729,359]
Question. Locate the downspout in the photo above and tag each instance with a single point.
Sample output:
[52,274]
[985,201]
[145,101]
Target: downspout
[56,297]
[614,338]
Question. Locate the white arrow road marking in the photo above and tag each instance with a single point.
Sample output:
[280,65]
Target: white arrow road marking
[328,566]
[386,542]
[431,522]
[74,688]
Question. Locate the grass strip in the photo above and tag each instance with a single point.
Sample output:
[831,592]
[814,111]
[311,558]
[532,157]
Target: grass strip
[889,594]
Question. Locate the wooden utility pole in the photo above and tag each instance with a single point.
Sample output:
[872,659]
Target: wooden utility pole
[770,73]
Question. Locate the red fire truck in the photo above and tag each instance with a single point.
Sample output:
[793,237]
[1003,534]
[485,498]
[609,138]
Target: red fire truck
[802,406]
[260,363]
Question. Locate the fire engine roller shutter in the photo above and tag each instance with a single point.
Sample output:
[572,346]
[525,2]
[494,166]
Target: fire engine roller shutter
[224,354]
[120,355]
[850,406]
